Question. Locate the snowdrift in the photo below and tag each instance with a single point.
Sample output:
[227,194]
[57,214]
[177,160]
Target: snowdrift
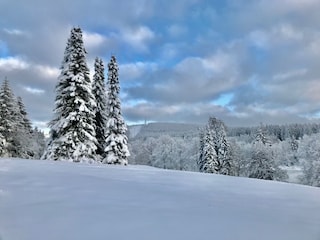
[61,200]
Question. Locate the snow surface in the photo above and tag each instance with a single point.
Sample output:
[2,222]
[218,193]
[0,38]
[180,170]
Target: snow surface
[62,200]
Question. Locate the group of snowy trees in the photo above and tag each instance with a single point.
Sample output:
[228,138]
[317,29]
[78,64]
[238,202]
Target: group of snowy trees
[218,156]
[306,152]
[87,124]
[165,151]
[279,132]
[17,137]
[255,154]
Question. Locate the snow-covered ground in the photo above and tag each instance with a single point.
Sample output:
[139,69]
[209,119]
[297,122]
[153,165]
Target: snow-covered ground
[61,200]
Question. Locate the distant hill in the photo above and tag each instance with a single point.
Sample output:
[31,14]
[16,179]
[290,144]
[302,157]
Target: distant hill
[158,129]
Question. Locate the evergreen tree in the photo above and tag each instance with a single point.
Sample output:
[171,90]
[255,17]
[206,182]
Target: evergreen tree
[201,159]
[221,146]
[116,150]
[215,152]
[210,165]
[8,119]
[23,114]
[261,136]
[101,99]
[73,134]
[24,139]
[7,110]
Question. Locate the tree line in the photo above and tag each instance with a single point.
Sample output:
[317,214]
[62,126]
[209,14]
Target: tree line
[279,132]
[217,155]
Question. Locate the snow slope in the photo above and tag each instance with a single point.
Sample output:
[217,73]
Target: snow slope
[61,200]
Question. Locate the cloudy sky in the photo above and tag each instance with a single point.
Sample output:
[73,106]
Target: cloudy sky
[243,61]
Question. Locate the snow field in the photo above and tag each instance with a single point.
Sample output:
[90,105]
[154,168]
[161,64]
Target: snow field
[63,200]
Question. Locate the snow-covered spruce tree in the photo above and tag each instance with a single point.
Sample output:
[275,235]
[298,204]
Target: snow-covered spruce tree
[215,138]
[23,139]
[116,150]
[73,136]
[24,115]
[201,159]
[261,136]
[209,161]
[8,119]
[221,146]
[99,92]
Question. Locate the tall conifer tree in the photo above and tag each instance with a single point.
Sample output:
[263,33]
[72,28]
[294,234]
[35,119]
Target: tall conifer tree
[215,153]
[208,160]
[221,146]
[116,150]
[22,139]
[24,115]
[8,114]
[73,136]
[8,118]
[99,91]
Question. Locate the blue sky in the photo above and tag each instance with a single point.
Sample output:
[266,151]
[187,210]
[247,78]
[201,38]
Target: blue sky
[243,61]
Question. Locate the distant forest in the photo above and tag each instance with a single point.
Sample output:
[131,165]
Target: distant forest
[293,149]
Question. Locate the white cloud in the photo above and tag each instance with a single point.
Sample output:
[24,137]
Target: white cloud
[92,40]
[176,30]
[312,47]
[221,67]
[47,71]
[170,50]
[287,32]
[35,91]
[13,63]
[194,79]
[219,62]
[259,38]
[299,4]
[290,74]
[138,37]
[14,31]
[282,33]
[136,70]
